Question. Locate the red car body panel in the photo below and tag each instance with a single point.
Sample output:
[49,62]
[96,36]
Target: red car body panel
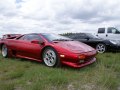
[75,46]
[70,49]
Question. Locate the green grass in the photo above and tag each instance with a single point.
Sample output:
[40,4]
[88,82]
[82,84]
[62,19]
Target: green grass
[18,74]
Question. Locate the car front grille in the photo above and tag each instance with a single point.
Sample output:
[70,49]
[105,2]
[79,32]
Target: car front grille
[86,60]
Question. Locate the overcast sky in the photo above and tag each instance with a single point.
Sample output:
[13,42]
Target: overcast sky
[57,16]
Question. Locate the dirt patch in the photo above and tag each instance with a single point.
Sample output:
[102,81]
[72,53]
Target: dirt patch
[70,87]
[88,87]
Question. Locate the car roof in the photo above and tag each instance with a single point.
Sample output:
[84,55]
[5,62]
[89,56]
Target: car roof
[36,33]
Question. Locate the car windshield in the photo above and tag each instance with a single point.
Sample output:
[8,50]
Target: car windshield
[55,37]
[118,31]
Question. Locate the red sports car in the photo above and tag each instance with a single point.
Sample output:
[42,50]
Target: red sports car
[52,49]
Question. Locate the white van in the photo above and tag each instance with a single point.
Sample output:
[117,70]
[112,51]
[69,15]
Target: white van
[110,33]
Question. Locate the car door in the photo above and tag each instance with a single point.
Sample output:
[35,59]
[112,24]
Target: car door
[87,39]
[102,33]
[25,48]
[113,33]
[93,40]
[80,37]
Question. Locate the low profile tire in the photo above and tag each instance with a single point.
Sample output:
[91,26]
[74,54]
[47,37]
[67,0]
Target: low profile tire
[101,48]
[4,51]
[50,57]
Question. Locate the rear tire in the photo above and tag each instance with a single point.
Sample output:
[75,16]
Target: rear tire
[50,57]
[4,51]
[101,48]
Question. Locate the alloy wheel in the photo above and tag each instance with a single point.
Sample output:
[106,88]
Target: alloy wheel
[49,57]
[101,48]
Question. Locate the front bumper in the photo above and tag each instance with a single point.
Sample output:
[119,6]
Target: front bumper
[79,65]
[73,60]
[113,47]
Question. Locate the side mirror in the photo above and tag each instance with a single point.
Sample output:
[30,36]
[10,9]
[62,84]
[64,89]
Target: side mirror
[41,42]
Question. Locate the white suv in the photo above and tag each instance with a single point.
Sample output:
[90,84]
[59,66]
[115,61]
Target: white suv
[110,33]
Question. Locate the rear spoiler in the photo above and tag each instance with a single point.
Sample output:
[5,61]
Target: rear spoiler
[10,36]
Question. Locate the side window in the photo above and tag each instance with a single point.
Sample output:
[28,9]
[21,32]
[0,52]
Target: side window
[78,36]
[74,36]
[21,38]
[101,30]
[112,30]
[34,37]
[82,36]
[30,37]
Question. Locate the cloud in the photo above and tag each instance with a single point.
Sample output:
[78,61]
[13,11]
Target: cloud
[8,8]
[57,16]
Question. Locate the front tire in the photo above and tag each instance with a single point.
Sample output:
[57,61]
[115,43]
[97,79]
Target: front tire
[50,57]
[4,51]
[101,48]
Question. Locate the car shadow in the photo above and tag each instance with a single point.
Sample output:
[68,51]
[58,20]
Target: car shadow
[63,67]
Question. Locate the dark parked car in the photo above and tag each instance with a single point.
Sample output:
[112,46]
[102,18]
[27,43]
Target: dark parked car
[101,45]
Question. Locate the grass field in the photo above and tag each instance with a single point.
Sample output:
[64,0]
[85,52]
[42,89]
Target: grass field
[18,74]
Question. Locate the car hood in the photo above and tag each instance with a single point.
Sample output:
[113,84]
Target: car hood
[74,46]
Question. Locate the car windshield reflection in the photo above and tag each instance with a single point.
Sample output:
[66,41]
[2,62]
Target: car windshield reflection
[55,37]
